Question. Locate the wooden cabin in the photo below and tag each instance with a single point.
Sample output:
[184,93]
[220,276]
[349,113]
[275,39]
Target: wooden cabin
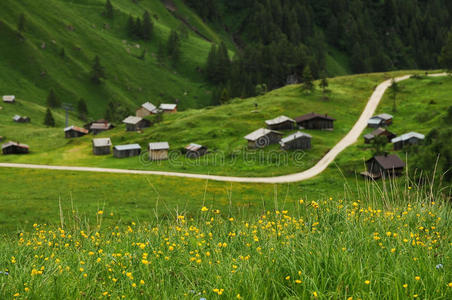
[121,151]
[263,137]
[9,98]
[281,123]
[136,123]
[20,119]
[101,146]
[195,150]
[296,141]
[158,151]
[98,127]
[15,148]
[381,120]
[368,138]
[384,166]
[407,139]
[74,132]
[146,109]
[168,108]
[315,121]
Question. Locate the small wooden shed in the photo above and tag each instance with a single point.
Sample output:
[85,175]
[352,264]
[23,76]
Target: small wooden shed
[21,119]
[384,166]
[146,109]
[74,132]
[98,127]
[136,123]
[380,120]
[315,121]
[9,98]
[407,139]
[195,150]
[263,137]
[158,151]
[121,151]
[168,108]
[101,146]
[378,132]
[299,140]
[15,148]
[281,123]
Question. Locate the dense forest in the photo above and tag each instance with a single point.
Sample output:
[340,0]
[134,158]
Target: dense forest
[278,39]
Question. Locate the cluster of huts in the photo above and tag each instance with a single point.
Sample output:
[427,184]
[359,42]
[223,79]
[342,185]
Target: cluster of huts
[12,147]
[388,164]
[263,137]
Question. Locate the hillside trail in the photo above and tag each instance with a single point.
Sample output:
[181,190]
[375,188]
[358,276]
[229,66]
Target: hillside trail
[351,137]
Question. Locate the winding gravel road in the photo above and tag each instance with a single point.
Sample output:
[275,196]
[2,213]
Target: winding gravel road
[351,137]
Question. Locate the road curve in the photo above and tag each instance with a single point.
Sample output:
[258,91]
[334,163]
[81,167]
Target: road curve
[351,137]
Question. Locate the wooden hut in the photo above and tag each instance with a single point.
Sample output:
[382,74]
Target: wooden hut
[298,140]
[98,127]
[9,98]
[407,139]
[380,120]
[136,123]
[168,108]
[74,132]
[315,121]
[15,148]
[263,137]
[21,119]
[121,151]
[146,109]
[378,132]
[101,146]
[158,151]
[383,166]
[281,123]
[195,150]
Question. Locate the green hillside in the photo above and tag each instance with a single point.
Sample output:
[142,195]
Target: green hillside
[32,63]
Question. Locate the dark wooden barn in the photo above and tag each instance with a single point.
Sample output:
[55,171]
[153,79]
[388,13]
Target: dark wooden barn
[379,132]
[15,148]
[101,146]
[315,121]
[298,140]
[136,123]
[121,151]
[195,150]
[384,166]
[74,132]
[21,119]
[407,139]
[262,138]
[381,120]
[281,123]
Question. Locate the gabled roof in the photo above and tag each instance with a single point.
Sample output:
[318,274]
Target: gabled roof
[408,136]
[11,143]
[369,136]
[255,135]
[9,98]
[159,146]
[384,116]
[294,136]
[279,120]
[311,116]
[149,107]
[75,128]
[98,126]
[127,147]
[388,162]
[194,147]
[166,106]
[374,120]
[132,120]
[101,142]
[17,118]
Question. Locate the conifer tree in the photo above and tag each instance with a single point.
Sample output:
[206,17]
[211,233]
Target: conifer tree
[445,59]
[130,27]
[211,63]
[224,96]
[324,86]
[173,46]
[52,100]
[394,90]
[97,71]
[138,29]
[82,109]
[21,23]
[147,26]
[308,84]
[108,9]
[48,119]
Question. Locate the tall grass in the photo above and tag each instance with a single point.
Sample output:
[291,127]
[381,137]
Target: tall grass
[386,243]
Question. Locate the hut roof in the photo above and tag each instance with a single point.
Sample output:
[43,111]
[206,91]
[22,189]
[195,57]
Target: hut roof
[101,142]
[105,126]
[294,136]
[159,146]
[11,143]
[166,106]
[132,120]
[388,162]
[313,115]
[9,98]
[17,118]
[75,128]
[149,107]
[384,116]
[369,136]
[408,136]
[194,147]
[255,135]
[374,121]
[279,120]
[127,147]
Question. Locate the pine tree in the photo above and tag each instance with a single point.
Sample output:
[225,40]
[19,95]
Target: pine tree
[48,119]
[223,64]
[224,96]
[173,46]
[138,29]
[211,63]
[148,26]
[108,9]
[52,100]
[324,86]
[21,23]
[161,52]
[445,59]
[394,89]
[62,53]
[97,72]
[130,27]
[308,84]
[82,109]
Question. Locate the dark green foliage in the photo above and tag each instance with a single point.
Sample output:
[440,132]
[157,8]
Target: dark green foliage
[394,90]
[62,53]
[307,80]
[130,27]
[379,144]
[218,64]
[173,46]
[116,112]
[52,100]
[445,59]
[97,71]
[21,23]
[82,109]
[224,96]
[108,9]
[148,26]
[324,86]
[48,119]
[140,29]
